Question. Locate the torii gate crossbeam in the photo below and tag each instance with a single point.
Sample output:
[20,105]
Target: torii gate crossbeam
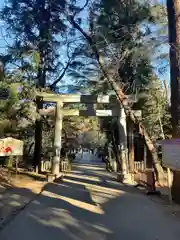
[59,112]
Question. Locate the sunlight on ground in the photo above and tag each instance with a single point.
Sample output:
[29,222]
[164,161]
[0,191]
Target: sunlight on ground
[84,177]
[101,197]
[57,218]
[95,187]
[102,228]
[99,194]
[90,167]
[73,227]
[77,203]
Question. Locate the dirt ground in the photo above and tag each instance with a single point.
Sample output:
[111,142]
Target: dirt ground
[17,190]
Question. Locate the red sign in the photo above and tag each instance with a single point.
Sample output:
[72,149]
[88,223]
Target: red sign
[8,149]
[10,146]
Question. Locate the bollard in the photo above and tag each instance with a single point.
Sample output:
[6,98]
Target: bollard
[151,183]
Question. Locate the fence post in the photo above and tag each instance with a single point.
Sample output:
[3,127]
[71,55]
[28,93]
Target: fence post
[145,156]
[169,178]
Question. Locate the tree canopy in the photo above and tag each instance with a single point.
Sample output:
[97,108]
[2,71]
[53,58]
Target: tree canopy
[47,48]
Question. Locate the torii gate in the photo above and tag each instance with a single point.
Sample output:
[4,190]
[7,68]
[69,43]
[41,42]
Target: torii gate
[89,100]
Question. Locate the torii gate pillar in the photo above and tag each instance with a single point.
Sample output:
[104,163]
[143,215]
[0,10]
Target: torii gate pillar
[123,149]
[57,139]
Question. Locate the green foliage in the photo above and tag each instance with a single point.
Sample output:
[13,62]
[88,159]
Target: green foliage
[123,32]
[43,38]
[39,29]
[16,113]
[92,139]
[6,105]
[154,104]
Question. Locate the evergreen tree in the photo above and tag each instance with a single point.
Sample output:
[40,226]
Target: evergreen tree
[155,112]
[40,31]
[111,56]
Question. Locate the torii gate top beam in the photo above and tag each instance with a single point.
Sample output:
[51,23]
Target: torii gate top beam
[76,98]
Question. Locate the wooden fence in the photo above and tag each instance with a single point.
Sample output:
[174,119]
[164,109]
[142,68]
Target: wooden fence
[46,166]
[143,175]
[139,166]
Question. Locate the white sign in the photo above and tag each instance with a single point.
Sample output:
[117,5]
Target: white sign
[11,147]
[171,153]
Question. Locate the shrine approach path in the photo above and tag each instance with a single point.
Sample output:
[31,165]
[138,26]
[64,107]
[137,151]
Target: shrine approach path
[90,204]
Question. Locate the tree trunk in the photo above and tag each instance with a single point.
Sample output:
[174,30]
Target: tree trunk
[131,156]
[173,9]
[41,81]
[123,101]
[38,138]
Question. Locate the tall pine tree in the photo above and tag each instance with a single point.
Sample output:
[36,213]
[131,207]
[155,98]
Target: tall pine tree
[39,30]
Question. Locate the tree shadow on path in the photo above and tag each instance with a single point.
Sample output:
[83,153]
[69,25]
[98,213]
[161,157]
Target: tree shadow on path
[90,206]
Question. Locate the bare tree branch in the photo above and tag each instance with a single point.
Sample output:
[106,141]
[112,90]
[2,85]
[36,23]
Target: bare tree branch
[81,9]
[70,58]
[61,76]
[85,5]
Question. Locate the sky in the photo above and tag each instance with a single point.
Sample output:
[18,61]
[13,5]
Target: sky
[2,42]
[163,75]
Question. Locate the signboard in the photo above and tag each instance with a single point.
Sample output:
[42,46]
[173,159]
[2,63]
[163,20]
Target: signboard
[11,147]
[171,153]
[4,93]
